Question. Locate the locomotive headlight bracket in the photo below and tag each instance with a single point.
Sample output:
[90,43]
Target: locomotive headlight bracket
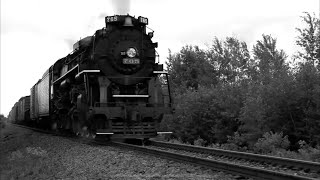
[131,52]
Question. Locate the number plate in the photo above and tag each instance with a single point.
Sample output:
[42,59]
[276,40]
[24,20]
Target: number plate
[131,61]
[112,19]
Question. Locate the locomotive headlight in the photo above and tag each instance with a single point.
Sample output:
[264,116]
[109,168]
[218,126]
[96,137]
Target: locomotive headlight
[131,52]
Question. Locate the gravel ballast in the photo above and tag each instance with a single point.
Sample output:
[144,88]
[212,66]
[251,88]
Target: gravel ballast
[26,154]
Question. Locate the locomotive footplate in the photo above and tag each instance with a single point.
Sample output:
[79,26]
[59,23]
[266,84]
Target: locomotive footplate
[104,132]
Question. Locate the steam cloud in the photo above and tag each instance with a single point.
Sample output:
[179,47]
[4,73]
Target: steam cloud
[70,41]
[121,7]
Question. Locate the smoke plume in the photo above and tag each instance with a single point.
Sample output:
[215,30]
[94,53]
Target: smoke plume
[121,7]
[70,42]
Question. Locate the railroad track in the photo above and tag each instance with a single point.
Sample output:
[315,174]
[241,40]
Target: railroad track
[233,168]
[294,164]
[194,155]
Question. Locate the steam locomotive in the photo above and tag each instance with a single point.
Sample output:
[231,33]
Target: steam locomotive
[110,84]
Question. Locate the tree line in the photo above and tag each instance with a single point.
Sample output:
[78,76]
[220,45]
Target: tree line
[225,93]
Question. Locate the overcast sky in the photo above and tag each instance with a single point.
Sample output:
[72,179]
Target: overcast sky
[36,33]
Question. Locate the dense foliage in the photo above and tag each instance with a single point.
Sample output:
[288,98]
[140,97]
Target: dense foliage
[226,94]
[3,121]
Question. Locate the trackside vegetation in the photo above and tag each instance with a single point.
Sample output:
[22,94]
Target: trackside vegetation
[259,100]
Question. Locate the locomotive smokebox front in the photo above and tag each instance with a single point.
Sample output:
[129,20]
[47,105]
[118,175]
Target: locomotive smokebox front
[124,52]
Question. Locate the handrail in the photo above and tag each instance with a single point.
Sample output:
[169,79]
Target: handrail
[133,96]
[63,76]
[88,71]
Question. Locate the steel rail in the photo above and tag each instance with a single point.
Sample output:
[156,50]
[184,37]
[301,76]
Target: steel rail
[245,171]
[291,163]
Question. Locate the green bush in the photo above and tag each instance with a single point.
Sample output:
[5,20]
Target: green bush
[199,142]
[309,153]
[209,113]
[237,142]
[305,152]
[2,123]
[271,142]
[176,141]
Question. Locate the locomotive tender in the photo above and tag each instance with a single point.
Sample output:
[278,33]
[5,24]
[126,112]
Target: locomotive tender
[111,84]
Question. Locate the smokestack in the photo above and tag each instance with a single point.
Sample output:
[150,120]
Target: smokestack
[121,7]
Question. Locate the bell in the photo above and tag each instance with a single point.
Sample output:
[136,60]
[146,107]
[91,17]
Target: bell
[128,21]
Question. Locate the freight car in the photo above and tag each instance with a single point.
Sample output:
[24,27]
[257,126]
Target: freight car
[110,84]
[20,111]
[23,109]
[13,115]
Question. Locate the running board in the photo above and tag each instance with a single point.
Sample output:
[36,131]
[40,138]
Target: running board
[160,72]
[104,133]
[164,132]
[131,96]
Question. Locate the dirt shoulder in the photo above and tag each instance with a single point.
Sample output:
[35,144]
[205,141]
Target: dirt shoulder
[30,155]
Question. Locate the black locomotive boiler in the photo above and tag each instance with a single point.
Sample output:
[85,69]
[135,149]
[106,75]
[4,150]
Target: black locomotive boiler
[111,84]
